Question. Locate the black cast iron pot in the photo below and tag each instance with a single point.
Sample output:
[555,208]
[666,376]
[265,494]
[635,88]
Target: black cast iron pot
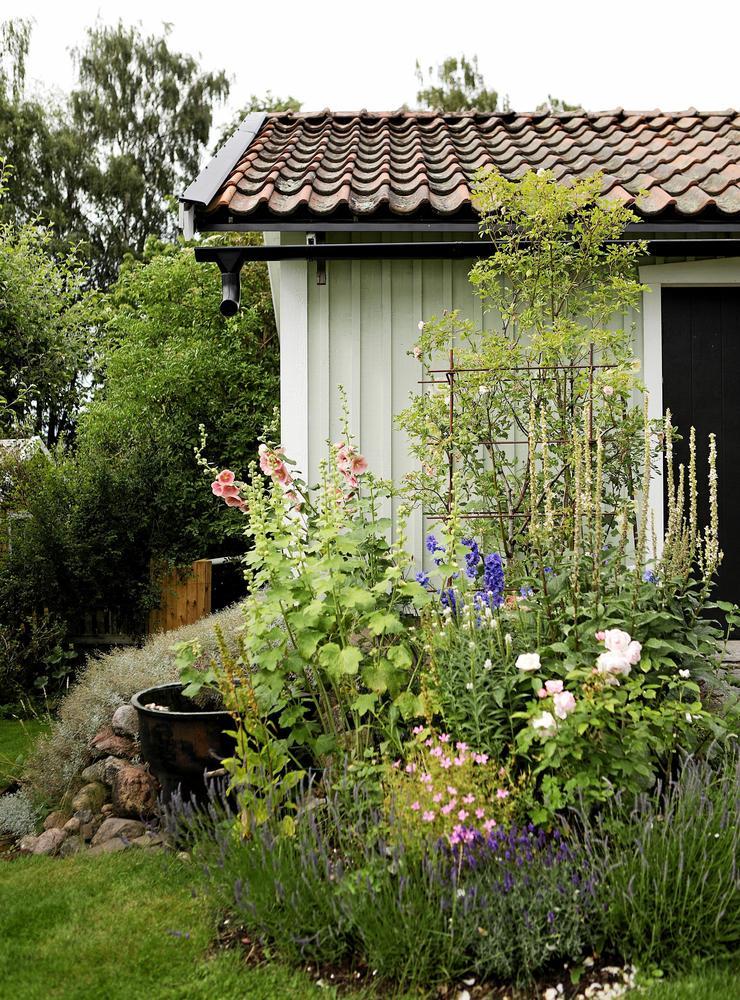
[183,742]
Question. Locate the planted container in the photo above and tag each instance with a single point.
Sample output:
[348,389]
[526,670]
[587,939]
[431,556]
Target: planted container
[180,741]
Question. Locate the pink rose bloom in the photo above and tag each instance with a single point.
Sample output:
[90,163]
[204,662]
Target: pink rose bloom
[226,477]
[217,489]
[417,352]
[600,636]
[564,703]
[613,663]
[617,640]
[633,652]
[553,687]
[542,693]
[229,490]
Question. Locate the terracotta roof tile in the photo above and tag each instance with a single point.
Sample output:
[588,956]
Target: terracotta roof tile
[403,164]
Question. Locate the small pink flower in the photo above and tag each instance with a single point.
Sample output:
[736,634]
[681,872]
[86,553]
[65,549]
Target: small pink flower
[502,793]
[542,693]
[437,797]
[462,815]
[480,813]
[481,758]
[217,488]
[445,763]
[226,478]
[451,790]
[396,763]
[417,351]
[444,738]
[415,806]
[410,768]
[417,729]
[459,761]
[446,810]
[469,799]
[462,747]
[358,464]
[428,743]
[426,779]
[489,825]
[600,636]
[428,816]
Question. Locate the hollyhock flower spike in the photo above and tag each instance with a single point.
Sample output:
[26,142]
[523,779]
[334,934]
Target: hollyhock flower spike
[226,477]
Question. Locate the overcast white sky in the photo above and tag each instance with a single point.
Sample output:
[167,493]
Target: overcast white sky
[348,55]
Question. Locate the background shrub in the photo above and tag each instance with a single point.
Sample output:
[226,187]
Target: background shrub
[107,681]
[18,814]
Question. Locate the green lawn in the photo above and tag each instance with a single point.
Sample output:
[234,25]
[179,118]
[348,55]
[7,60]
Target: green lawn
[709,984]
[16,739]
[122,925]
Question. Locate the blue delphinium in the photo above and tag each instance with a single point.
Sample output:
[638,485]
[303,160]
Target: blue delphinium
[472,558]
[448,599]
[434,547]
[423,578]
[493,578]
[649,576]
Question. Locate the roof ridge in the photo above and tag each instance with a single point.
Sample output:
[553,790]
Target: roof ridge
[618,112]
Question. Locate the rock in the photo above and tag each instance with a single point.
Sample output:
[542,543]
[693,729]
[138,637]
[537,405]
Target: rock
[134,792]
[110,846]
[87,831]
[108,809]
[107,744]
[90,796]
[125,721]
[71,845]
[115,827]
[27,843]
[104,770]
[72,825]
[49,842]
[55,819]
[149,840]
[84,815]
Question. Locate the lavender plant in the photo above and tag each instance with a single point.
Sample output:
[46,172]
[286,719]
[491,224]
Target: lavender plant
[666,867]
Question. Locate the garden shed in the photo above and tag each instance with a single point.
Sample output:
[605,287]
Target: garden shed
[369,228]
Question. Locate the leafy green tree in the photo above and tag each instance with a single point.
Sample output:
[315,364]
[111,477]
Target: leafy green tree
[132,491]
[145,112]
[46,333]
[459,86]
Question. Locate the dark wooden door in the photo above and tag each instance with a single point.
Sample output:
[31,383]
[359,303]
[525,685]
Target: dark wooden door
[701,387]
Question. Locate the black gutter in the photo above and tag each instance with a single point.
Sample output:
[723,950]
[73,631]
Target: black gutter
[231,259]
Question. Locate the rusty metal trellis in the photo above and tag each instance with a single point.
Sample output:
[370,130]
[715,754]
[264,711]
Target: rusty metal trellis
[453,371]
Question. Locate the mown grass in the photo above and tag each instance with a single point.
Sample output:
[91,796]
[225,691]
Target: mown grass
[120,926]
[708,983]
[17,737]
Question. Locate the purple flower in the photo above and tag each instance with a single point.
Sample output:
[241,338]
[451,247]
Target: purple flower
[493,578]
[472,559]
[423,578]
[448,599]
[649,576]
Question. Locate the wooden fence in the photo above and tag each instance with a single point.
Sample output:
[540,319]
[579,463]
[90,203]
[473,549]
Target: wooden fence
[186,598]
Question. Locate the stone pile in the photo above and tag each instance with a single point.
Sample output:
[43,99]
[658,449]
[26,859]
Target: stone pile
[111,809]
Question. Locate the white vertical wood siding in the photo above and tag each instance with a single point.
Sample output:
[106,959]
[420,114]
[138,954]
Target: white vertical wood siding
[356,331]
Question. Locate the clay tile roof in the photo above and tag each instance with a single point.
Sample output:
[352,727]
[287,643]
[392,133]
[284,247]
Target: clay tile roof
[420,165]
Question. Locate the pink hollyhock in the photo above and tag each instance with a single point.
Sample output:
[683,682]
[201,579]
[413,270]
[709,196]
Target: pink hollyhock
[217,488]
[226,477]
[358,464]
[229,490]
[234,502]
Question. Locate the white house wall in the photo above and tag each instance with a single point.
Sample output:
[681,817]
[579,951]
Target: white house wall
[356,330]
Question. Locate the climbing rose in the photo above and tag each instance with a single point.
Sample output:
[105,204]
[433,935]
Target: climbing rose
[528,662]
[544,724]
[564,703]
